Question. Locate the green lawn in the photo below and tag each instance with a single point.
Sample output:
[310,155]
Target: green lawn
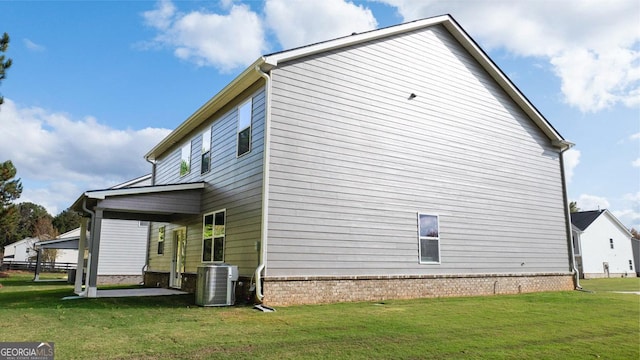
[612,284]
[561,325]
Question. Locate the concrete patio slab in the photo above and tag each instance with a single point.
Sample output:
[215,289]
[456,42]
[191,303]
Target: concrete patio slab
[138,292]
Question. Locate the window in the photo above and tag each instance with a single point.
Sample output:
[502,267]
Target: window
[205,164]
[213,232]
[611,243]
[630,265]
[185,160]
[161,231]
[244,127]
[429,235]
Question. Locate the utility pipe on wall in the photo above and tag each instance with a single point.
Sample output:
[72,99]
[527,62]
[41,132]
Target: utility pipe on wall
[265,186]
[572,259]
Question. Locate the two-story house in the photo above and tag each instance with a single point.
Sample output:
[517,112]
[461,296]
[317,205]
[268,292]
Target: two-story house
[394,163]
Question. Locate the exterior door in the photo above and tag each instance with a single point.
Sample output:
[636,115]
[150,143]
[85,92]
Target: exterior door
[179,255]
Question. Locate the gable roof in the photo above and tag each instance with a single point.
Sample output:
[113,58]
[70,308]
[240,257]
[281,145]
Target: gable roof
[270,61]
[583,219]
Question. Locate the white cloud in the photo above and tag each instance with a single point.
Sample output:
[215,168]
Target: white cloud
[301,22]
[224,41]
[32,46]
[635,136]
[596,58]
[630,213]
[571,160]
[588,202]
[636,162]
[58,157]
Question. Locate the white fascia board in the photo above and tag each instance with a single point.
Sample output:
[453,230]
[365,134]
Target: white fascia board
[354,39]
[459,34]
[470,45]
[103,194]
[617,222]
[224,96]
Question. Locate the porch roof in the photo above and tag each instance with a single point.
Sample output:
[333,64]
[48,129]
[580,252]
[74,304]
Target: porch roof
[163,203]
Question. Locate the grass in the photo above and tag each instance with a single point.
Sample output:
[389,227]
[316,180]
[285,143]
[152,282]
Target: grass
[611,284]
[567,325]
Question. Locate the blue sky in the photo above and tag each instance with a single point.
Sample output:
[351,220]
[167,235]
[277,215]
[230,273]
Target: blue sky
[95,85]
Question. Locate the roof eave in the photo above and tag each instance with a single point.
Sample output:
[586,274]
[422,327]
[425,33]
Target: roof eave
[233,89]
[516,95]
[356,38]
[459,34]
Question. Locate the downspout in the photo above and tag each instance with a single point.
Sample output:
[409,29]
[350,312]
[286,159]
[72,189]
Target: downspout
[265,186]
[572,256]
[91,235]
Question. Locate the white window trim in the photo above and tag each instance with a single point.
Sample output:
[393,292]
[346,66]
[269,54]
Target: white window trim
[428,238]
[250,127]
[224,241]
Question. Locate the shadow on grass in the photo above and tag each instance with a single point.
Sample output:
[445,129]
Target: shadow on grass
[53,299]
[19,291]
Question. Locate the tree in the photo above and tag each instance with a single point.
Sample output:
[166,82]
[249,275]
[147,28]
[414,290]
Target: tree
[30,222]
[66,221]
[573,207]
[635,234]
[10,190]
[4,64]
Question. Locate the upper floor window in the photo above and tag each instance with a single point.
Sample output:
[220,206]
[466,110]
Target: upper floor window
[429,235]
[244,127]
[611,243]
[205,164]
[185,160]
[213,234]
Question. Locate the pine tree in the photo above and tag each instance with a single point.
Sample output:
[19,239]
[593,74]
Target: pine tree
[4,64]
[9,191]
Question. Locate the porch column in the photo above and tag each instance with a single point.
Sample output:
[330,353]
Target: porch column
[81,247]
[36,276]
[94,253]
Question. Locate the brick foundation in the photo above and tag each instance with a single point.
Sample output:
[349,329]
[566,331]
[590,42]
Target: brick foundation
[156,279]
[604,276]
[161,279]
[284,291]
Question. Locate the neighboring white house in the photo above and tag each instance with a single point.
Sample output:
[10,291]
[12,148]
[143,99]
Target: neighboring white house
[20,250]
[602,245]
[635,246]
[25,250]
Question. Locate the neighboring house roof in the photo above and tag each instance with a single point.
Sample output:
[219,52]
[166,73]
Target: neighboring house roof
[139,181]
[583,219]
[67,243]
[20,242]
[270,61]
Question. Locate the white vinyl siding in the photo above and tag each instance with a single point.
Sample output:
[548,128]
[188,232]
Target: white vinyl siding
[352,158]
[123,247]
